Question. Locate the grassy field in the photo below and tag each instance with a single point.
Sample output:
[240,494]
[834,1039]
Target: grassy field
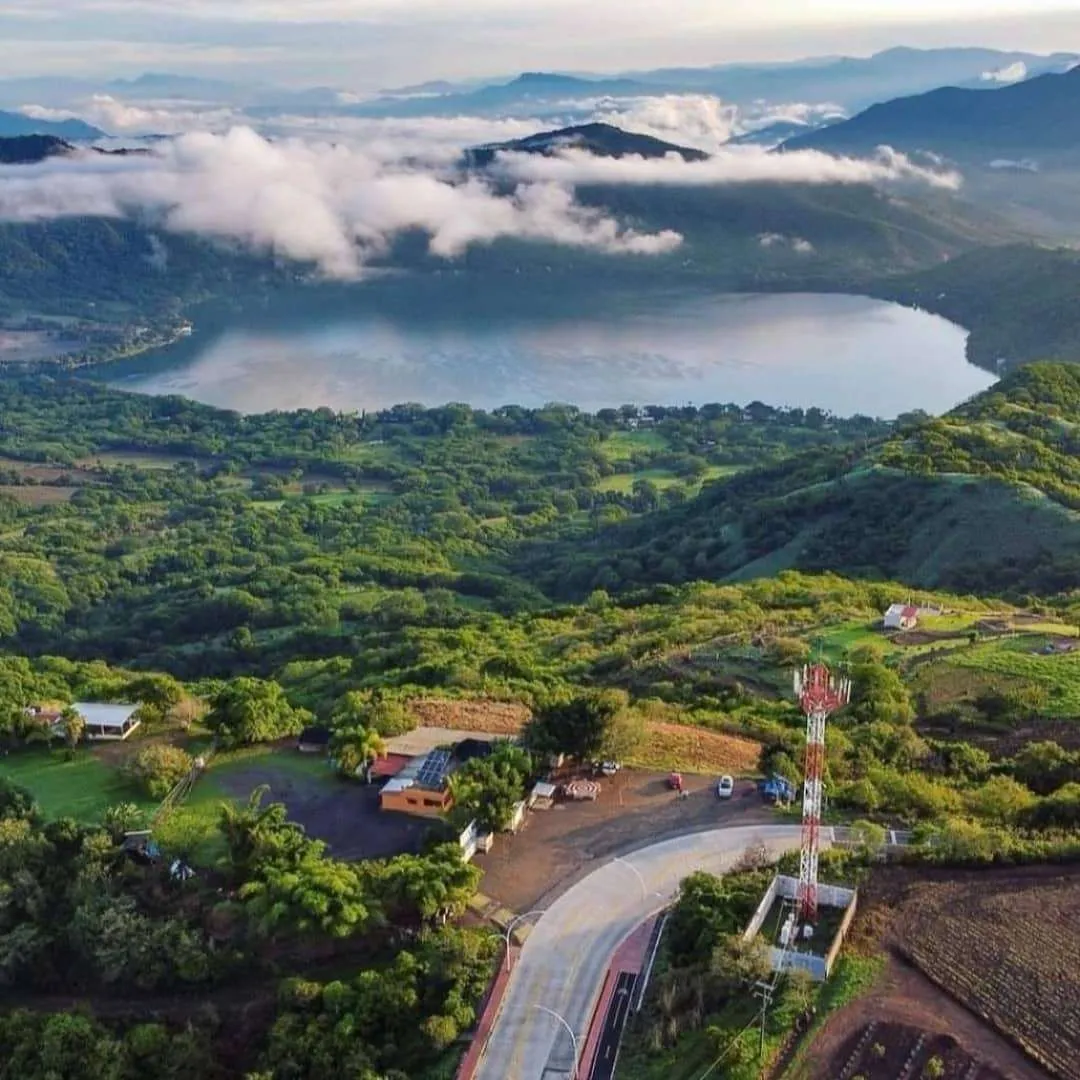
[1018,658]
[82,788]
[624,444]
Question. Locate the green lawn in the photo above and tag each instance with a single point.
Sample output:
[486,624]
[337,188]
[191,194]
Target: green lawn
[622,444]
[82,788]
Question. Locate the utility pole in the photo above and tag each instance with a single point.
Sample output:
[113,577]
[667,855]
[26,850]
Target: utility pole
[765,991]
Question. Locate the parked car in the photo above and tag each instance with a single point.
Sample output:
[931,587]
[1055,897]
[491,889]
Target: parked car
[725,787]
[607,768]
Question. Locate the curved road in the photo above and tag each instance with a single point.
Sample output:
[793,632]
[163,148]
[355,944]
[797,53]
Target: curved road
[564,960]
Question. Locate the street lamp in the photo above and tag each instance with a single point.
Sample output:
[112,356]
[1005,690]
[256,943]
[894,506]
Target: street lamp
[510,928]
[569,1031]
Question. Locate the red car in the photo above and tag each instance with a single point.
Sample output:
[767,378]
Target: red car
[675,781]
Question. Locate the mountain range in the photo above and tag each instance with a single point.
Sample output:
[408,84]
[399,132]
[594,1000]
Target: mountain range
[1034,118]
[850,83]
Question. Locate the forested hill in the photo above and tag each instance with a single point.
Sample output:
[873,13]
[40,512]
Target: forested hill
[1040,319]
[984,499]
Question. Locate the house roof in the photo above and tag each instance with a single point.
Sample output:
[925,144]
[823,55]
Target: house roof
[114,716]
[389,765]
[905,611]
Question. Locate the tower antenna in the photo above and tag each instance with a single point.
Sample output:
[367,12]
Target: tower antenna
[820,694]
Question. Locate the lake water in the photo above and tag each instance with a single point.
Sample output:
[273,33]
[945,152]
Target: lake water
[847,354]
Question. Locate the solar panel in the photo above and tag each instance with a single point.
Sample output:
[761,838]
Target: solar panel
[432,774]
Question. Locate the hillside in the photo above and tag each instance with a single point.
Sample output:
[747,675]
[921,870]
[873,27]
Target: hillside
[601,140]
[1032,119]
[1040,320]
[984,499]
[31,149]
[13,124]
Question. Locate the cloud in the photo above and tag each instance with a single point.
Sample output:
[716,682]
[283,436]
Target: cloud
[1011,74]
[731,165]
[314,202]
[796,243]
[145,118]
[696,120]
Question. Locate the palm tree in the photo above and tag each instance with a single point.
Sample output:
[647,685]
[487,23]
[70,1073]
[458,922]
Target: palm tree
[355,747]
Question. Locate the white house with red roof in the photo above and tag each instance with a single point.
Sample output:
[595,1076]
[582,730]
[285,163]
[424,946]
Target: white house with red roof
[901,617]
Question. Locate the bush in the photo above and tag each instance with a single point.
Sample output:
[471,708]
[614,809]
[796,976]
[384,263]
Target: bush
[157,769]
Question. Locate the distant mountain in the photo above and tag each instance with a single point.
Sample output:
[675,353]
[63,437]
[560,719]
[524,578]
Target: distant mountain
[15,124]
[531,94]
[851,83]
[856,82]
[1027,119]
[32,149]
[603,140]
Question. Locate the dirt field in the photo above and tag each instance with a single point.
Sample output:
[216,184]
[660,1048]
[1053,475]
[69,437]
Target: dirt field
[677,746]
[904,1005]
[634,808]
[493,717]
[346,816]
[37,494]
[990,957]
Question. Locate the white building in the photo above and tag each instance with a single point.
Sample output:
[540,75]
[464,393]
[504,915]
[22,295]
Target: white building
[901,617]
[107,722]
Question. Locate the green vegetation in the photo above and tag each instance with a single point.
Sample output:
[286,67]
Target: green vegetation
[500,564]
[983,500]
[81,787]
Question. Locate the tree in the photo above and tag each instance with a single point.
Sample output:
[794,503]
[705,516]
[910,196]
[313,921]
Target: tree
[624,735]
[158,768]
[247,711]
[354,748]
[1001,799]
[879,694]
[74,727]
[576,726]
[375,712]
[158,694]
[487,789]
[120,819]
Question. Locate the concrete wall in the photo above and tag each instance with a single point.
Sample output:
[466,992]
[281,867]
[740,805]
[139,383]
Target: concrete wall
[845,925]
[763,910]
[786,887]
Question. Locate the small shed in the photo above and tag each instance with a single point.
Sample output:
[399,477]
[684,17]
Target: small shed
[108,723]
[543,796]
[901,617]
[313,740]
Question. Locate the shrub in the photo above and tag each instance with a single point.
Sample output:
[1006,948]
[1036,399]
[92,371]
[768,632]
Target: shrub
[157,769]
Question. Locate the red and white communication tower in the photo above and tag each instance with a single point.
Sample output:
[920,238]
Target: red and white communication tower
[820,695]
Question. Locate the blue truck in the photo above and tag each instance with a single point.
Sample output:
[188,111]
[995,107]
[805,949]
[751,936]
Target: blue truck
[777,790]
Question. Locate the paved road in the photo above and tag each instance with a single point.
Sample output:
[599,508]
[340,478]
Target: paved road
[564,960]
[607,1052]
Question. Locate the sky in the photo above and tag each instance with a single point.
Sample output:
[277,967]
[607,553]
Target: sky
[367,44]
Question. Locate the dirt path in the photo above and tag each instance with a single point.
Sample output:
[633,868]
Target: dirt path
[903,996]
[635,808]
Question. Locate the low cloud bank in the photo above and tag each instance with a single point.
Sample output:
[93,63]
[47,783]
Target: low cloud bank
[318,203]
[730,165]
